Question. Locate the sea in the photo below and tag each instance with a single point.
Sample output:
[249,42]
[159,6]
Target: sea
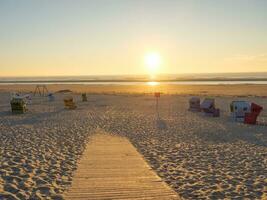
[184,79]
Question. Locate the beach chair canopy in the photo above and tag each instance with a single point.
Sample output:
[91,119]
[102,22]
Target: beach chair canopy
[240,106]
[68,98]
[256,108]
[244,111]
[26,97]
[194,100]
[18,105]
[194,104]
[14,95]
[239,109]
[208,103]
[252,115]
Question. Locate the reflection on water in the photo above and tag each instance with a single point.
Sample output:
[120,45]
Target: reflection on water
[152,80]
[148,83]
[152,83]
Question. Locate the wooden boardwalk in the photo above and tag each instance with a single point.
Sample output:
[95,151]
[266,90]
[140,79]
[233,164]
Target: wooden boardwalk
[111,168]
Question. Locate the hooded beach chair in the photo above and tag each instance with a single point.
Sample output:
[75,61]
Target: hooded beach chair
[251,118]
[194,104]
[18,105]
[208,107]
[239,109]
[26,97]
[69,103]
[84,97]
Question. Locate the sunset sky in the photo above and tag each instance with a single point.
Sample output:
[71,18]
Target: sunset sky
[108,37]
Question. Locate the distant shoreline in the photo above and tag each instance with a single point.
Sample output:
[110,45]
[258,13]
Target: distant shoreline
[137,80]
[179,89]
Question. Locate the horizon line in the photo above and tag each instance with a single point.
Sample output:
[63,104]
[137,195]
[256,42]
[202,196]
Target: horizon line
[160,74]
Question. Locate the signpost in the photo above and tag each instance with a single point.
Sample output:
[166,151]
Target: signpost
[157,95]
[160,123]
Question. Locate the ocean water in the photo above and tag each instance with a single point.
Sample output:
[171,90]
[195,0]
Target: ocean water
[203,79]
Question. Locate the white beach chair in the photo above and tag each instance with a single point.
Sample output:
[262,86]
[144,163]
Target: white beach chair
[27,97]
[239,109]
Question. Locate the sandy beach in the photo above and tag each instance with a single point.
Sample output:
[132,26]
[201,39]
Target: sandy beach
[198,156]
[133,100]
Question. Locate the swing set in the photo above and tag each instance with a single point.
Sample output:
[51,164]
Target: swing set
[41,90]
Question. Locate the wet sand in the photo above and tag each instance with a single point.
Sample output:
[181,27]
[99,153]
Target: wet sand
[227,90]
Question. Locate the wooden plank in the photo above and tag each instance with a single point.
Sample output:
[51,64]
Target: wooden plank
[111,168]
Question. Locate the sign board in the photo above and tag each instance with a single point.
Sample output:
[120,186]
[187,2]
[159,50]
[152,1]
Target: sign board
[157,94]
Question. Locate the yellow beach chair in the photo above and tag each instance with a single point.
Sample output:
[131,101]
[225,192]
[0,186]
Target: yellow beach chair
[69,103]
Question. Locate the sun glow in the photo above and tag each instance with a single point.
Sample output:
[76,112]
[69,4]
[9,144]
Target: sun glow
[152,62]
[152,83]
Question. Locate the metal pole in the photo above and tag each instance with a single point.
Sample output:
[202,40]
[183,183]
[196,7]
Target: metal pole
[157,105]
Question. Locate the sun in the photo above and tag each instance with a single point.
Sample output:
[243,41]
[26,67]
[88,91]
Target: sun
[152,62]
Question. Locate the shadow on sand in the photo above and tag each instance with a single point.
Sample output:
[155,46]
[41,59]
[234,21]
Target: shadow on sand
[28,118]
[257,137]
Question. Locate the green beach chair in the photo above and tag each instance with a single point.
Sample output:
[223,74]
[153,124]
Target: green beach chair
[18,106]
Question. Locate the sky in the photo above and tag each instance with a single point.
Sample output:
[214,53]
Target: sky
[111,37]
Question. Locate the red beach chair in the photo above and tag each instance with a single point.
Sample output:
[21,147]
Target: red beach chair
[256,108]
[251,118]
